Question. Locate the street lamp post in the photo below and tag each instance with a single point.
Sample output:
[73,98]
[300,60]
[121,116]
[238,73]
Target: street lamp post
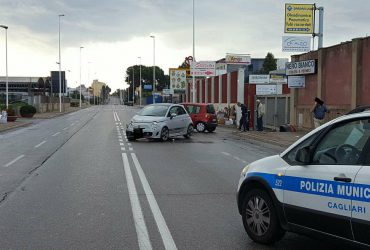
[153,68]
[133,85]
[80,76]
[193,86]
[140,81]
[88,82]
[60,72]
[6,62]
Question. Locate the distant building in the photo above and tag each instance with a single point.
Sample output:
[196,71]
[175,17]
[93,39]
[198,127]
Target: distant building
[97,86]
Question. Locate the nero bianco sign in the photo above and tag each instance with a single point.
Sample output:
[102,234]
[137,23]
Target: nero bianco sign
[259,79]
[301,68]
[203,68]
[296,43]
[296,81]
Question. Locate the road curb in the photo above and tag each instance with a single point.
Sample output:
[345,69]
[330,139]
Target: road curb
[23,124]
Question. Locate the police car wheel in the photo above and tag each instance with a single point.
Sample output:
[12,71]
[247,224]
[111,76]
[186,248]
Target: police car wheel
[260,218]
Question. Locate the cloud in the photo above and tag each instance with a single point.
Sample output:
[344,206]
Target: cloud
[115,32]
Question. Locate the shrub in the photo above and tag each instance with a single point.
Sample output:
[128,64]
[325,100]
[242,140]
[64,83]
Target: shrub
[10,111]
[27,109]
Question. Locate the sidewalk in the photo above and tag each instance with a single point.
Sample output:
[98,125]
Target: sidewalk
[282,139]
[23,122]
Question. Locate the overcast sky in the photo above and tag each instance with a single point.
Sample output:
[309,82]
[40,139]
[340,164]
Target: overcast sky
[114,33]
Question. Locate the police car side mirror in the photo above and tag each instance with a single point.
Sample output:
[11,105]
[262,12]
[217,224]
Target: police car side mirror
[303,155]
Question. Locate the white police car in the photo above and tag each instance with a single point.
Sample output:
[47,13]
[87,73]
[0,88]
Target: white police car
[319,185]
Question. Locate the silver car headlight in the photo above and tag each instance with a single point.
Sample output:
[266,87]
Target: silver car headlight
[244,171]
[154,125]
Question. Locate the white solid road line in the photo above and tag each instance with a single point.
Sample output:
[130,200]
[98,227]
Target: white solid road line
[167,239]
[114,116]
[65,128]
[13,161]
[38,145]
[140,226]
[56,134]
[117,117]
[225,153]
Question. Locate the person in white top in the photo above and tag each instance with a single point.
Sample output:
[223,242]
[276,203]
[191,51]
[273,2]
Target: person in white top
[260,114]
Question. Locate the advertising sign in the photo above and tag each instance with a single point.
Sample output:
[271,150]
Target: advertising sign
[167,92]
[205,68]
[301,68]
[178,79]
[238,59]
[268,90]
[259,79]
[296,43]
[296,81]
[147,87]
[278,79]
[299,18]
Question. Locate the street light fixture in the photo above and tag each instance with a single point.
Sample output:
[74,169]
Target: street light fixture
[80,76]
[140,80]
[6,62]
[153,68]
[60,71]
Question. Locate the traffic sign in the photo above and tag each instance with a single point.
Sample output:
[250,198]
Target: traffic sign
[203,68]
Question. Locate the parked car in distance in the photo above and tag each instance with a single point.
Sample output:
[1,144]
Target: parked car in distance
[203,116]
[160,121]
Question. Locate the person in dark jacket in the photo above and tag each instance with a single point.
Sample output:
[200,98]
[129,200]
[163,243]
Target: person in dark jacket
[244,120]
[319,110]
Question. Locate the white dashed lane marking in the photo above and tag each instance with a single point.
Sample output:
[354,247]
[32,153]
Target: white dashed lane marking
[38,145]
[14,161]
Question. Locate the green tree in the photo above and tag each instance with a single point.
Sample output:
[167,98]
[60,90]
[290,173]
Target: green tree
[269,64]
[163,81]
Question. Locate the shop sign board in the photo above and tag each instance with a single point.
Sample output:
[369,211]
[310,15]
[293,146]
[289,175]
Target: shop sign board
[242,59]
[296,43]
[167,92]
[259,79]
[278,79]
[268,89]
[296,81]
[301,68]
[203,68]
[299,18]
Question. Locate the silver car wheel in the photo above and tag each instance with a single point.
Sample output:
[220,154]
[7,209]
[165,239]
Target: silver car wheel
[164,134]
[258,215]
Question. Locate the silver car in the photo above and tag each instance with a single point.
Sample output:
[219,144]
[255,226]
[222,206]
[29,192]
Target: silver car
[160,121]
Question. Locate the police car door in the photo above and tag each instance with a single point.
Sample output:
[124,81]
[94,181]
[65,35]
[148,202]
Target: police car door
[315,194]
[361,195]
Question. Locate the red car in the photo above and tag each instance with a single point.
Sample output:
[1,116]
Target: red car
[203,116]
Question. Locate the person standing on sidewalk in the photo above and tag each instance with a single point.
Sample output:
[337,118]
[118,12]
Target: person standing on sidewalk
[244,119]
[319,110]
[260,114]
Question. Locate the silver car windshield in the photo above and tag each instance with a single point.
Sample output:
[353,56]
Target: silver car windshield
[157,110]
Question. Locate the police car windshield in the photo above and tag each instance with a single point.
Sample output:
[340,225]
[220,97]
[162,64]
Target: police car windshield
[154,110]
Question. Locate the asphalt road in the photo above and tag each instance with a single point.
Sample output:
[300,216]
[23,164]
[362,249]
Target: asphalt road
[75,182]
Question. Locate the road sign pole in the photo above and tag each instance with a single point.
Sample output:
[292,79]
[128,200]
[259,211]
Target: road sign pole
[321,26]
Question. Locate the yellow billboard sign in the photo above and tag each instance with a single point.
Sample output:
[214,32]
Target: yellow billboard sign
[299,18]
